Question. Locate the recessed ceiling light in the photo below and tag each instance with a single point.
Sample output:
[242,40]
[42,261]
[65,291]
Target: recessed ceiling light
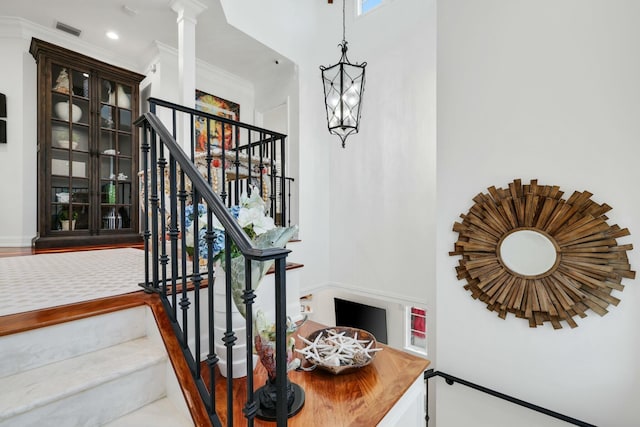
[129,10]
[113,35]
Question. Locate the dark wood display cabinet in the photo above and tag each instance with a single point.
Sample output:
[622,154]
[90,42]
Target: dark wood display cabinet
[87,150]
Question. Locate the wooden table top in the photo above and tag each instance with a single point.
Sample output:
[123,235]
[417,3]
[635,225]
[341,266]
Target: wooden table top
[360,398]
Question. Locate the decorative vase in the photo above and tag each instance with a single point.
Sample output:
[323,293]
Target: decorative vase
[65,224]
[62,111]
[238,324]
[265,346]
[123,98]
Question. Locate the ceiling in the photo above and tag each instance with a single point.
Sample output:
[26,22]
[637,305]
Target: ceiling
[141,22]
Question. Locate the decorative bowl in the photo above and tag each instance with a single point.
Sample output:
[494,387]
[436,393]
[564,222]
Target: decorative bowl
[62,111]
[63,143]
[62,197]
[366,338]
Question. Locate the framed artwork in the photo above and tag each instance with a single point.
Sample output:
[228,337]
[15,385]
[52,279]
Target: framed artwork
[217,130]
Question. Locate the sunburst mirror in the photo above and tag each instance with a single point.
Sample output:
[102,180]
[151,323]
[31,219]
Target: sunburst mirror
[525,250]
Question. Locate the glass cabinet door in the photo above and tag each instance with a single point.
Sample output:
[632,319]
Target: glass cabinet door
[115,155]
[69,127]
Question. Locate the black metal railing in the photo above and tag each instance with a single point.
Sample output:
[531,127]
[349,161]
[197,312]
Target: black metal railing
[171,180]
[234,156]
[450,379]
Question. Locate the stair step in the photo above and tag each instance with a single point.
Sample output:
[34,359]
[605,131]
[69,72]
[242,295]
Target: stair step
[90,389]
[39,347]
[161,413]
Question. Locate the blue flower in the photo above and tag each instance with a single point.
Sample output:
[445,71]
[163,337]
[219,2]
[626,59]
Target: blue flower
[188,214]
[218,241]
[202,243]
[250,214]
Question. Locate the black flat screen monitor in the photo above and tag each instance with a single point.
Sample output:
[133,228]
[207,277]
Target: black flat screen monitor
[356,315]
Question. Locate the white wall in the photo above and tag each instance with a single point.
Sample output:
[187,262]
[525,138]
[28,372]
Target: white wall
[18,156]
[383,183]
[547,90]
[357,204]
[294,29]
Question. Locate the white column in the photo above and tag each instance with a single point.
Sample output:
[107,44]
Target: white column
[187,11]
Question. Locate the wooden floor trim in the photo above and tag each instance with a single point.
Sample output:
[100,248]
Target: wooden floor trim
[21,322]
[180,367]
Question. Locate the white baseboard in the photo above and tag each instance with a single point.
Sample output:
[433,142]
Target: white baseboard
[365,292]
[15,242]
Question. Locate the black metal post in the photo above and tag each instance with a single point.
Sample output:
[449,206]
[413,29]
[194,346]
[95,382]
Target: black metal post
[164,258]
[153,199]
[145,173]
[173,232]
[283,163]
[248,297]
[229,336]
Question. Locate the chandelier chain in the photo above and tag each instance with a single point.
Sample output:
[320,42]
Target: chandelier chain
[344,27]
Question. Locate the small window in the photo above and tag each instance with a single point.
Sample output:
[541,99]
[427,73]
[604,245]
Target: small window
[416,330]
[365,6]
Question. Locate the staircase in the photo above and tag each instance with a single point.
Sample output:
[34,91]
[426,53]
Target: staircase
[173,177]
[106,370]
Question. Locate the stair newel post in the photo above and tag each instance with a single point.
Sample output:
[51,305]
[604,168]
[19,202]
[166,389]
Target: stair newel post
[282,410]
[248,296]
[173,230]
[145,173]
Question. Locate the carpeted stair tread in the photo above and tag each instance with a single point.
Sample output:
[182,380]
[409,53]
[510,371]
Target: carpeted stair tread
[161,413]
[37,387]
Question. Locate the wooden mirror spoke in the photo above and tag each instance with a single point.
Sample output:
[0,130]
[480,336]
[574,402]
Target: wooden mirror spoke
[589,263]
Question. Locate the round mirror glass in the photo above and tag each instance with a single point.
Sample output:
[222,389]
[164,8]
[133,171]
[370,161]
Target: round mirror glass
[528,252]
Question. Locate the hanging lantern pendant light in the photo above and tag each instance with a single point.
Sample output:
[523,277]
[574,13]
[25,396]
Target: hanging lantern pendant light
[343,89]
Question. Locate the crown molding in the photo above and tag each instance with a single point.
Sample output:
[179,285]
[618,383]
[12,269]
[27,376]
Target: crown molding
[158,49]
[15,27]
